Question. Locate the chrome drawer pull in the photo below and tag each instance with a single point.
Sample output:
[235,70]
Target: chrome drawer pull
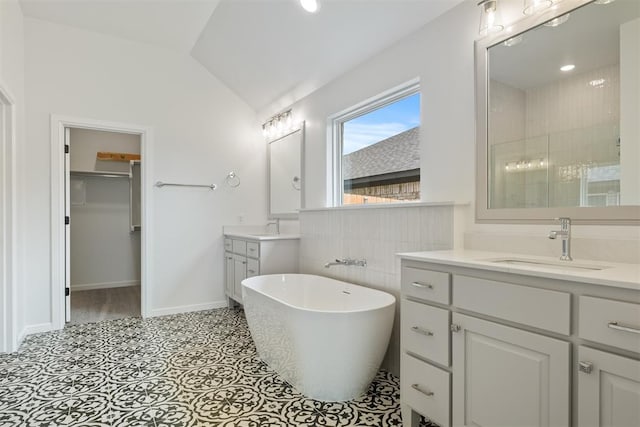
[251,271]
[422,331]
[422,285]
[425,392]
[622,327]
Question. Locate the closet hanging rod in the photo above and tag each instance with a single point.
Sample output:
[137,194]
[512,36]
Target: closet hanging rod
[100,174]
[169,184]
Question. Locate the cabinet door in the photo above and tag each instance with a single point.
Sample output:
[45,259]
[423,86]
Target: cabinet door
[228,274]
[608,392]
[239,274]
[504,376]
[253,267]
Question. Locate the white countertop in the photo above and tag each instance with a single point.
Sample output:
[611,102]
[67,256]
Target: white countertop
[262,236]
[616,274]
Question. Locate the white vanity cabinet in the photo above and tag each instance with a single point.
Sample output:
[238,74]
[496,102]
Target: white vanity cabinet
[495,348]
[608,389]
[247,256]
[504,376]
[608,384]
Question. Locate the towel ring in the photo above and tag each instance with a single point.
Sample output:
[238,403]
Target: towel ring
[232,180]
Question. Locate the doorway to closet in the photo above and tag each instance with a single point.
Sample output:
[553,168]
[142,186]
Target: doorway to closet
[102,225]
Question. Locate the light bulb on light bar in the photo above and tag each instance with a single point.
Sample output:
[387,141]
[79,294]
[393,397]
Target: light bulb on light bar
[309,5]
[567,67]
[490,18]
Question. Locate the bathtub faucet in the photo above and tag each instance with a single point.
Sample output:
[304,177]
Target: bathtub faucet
[276,223]
[347,261]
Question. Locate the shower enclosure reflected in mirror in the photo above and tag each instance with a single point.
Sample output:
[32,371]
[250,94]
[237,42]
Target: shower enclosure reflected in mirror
[559,122]
[286,181]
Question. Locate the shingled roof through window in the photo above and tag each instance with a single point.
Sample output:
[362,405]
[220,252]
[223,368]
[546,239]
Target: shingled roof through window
[395,154]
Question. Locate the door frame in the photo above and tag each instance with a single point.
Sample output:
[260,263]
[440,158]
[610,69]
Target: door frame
[8,223]
[58,125]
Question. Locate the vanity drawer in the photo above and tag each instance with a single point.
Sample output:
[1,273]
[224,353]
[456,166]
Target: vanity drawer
[228,244]
[425,331]
[239,247]
[426,389]
[425,284]
[253,249]
[540,308]
[610,322]
[253,267]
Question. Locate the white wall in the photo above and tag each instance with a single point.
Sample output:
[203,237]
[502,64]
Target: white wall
[12,81]
[445,68]
[441,54]
[201,130]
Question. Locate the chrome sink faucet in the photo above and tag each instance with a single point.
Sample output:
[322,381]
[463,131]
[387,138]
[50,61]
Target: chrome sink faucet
[565,234]
[277,224]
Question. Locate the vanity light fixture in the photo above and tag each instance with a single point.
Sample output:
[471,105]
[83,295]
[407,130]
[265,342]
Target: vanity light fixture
[490,19]
[532,7]
[526,165]
[309,5]
[278,125]
[568,67]
[557,21]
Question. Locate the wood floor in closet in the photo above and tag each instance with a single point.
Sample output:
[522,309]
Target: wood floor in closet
[104,304]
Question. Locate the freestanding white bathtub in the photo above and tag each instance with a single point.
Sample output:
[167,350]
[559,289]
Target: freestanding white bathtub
[325,337]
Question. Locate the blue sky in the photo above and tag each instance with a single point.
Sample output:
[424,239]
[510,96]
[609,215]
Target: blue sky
[381,124]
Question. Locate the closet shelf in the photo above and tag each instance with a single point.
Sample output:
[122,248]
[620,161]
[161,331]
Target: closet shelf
[117,157]
[103,174]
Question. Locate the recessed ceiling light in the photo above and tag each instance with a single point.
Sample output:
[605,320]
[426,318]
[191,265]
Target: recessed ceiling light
[309,5]
[567,67]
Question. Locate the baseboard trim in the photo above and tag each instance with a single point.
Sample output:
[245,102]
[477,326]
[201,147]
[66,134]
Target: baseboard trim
[105,285]
[34,329]
[187,308]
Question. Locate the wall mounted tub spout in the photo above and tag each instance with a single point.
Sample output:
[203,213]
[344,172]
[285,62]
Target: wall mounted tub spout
[347,261]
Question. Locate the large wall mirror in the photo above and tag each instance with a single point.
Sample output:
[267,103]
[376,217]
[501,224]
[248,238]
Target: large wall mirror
[558,126]
[286,181]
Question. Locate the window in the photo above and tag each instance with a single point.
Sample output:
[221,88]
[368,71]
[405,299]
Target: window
[376,147]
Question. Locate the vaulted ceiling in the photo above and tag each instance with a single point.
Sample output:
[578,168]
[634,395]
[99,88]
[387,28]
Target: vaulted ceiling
[262,49]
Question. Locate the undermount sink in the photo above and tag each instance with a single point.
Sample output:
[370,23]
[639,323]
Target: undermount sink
[560,265]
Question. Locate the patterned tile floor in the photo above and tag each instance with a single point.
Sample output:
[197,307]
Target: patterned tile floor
[194,369]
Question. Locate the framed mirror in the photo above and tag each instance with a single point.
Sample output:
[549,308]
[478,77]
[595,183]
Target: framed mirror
[558,116]
[286,180]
